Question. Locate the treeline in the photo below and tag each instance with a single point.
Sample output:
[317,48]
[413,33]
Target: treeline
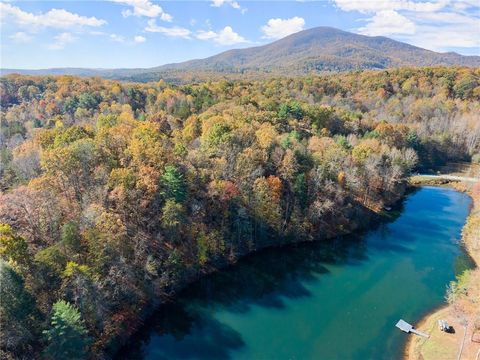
[115,194]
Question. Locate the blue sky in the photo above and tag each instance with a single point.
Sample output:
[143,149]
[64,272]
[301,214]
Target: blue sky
[145,33]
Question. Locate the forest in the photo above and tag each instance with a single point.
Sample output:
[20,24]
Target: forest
[115,195]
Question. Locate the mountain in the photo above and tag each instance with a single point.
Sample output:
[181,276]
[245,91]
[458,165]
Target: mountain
[319,49]
[325,48]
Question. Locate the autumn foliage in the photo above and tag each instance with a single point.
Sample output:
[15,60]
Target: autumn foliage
[114,194]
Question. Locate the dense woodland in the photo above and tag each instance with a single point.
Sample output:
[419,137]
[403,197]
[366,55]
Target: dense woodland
[114,195]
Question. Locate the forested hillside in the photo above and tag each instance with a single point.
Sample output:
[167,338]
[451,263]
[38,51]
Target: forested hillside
[322,49]
[114,195]
[316,50]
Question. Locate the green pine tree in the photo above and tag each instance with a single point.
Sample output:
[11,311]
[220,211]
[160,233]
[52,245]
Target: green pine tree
[173,184]
[67,337]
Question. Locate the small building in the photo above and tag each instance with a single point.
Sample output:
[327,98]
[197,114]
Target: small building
[443,325]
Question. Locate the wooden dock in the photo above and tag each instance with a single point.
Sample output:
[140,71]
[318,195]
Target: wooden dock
[406,327]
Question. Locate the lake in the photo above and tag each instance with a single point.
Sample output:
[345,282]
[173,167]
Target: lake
[338,299]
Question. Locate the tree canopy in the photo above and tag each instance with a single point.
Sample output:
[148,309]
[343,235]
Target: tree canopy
[67,336]
[114,194]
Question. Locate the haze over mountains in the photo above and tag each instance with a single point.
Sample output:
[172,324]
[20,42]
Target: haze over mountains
[320,49]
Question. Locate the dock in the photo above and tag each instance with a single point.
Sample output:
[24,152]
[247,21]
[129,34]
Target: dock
[406,327]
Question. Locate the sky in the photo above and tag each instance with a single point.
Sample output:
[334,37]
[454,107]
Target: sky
[144,33]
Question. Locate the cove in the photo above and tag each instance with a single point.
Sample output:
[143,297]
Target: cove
[338,299]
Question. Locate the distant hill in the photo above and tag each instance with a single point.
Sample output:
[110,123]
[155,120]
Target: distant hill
[321,49]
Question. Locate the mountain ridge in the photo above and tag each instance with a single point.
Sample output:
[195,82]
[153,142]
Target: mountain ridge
[315,50]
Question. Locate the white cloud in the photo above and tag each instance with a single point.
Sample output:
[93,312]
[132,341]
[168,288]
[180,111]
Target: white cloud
[97,33]
[451,36]
[21,37]
[144,8]
[444,18]
[117,38]
[435,25]
[382,5]
[465,4]
[174,31]
[206,35]
[55,18]
[387,22]
[166,17]
[61,40]
[279,28]
[226,36]
[442,30]
[234,4]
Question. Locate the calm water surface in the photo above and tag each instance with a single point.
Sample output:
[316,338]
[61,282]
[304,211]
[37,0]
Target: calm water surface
[335,300]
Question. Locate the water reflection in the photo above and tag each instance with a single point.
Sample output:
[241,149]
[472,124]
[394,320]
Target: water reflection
[264,279]
[366,284]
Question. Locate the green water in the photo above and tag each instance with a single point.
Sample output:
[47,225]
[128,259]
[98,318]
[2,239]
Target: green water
[335,300]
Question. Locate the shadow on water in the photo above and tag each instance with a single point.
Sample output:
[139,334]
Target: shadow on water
[212,340]
[262,279]
[190,328]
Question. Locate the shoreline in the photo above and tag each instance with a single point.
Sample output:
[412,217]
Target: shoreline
[428,322]
[374,219]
